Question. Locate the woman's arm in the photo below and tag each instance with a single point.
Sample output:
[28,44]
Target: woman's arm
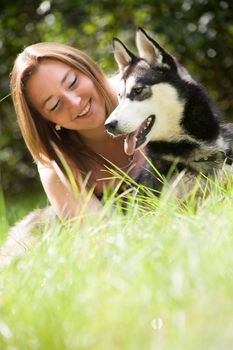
[64,201]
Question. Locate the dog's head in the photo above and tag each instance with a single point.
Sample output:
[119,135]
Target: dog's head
[149,104]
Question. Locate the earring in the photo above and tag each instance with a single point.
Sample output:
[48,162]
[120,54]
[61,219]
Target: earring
[58,127]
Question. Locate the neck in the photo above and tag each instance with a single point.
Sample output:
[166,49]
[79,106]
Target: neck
[94,136]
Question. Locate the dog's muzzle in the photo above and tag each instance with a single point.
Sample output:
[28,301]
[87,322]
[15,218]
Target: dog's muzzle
[111,127]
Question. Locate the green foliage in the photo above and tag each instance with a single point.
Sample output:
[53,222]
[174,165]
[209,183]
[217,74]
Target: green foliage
[199,33]
[149,279]
[19,204]
[3,216]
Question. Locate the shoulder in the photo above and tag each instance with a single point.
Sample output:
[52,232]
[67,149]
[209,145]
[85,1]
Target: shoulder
[66,200]
[51,175]
[45,169]
[58,190]
[43,162]
[48,176]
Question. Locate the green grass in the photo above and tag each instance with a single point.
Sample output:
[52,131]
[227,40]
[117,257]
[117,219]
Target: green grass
[158,277]
[20,204]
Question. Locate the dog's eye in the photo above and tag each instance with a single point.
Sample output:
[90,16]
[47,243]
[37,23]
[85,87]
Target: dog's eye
[137,90]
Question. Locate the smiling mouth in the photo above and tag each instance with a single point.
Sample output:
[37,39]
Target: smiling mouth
[135,139]
[85,110]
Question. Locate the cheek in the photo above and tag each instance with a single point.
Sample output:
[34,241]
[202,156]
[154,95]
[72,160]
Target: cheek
[33,94]
[89,89]
[86,85]
[54,119]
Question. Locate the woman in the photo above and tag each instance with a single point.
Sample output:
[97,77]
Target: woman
[62,98]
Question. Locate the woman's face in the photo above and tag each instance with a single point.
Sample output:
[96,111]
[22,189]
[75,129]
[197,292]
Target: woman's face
[66,96]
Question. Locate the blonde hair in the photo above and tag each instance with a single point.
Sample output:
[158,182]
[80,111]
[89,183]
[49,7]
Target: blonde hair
[39,133]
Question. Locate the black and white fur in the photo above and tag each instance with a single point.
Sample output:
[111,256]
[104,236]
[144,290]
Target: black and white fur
[163,107]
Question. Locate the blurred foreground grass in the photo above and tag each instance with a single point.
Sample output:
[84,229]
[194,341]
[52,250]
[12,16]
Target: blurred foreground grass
[154,278]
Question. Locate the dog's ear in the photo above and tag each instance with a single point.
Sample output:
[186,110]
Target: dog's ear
[151,51]
[122,55]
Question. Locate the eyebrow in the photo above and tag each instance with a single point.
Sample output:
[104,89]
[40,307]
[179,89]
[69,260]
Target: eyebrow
[62,81]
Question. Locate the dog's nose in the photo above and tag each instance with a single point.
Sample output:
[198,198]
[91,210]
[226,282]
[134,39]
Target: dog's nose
[111,126]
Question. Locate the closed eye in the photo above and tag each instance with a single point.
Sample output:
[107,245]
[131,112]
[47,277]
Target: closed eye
[55,106]
[73,82]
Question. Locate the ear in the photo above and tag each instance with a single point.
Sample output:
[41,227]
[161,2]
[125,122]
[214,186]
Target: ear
[147,48]
[122,55]
[151,51]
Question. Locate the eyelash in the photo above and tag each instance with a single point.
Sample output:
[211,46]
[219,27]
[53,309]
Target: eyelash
[70,86]
[55,106]
[73,82]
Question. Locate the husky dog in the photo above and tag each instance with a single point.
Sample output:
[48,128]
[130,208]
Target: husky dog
[163,107]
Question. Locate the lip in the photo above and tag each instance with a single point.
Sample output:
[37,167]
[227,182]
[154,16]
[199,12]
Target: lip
[88,112]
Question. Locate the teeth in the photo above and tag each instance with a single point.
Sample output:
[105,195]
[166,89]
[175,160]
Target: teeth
[148,121]
[85,110]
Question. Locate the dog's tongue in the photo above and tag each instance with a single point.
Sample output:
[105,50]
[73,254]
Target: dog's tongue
[130,143]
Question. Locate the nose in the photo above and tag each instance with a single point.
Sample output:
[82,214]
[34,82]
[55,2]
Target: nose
[73,99]
[111,126]
[73,104]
